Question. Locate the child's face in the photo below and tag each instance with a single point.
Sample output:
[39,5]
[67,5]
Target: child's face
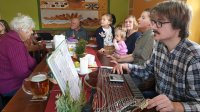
[118,35]
[104,21]
[144,21]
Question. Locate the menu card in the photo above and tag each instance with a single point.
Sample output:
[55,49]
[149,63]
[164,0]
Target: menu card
[61,65]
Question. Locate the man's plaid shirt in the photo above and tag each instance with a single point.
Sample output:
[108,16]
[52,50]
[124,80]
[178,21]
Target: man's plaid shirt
[177,72]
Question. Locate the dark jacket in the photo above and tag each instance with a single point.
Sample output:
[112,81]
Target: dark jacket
[99,38]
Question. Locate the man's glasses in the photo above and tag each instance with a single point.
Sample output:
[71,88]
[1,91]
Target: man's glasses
[158,23]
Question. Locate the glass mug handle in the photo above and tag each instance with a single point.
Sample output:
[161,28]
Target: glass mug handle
[26,86]
[37,85]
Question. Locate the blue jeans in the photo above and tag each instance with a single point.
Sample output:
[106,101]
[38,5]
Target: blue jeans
[149,94]
[146,93]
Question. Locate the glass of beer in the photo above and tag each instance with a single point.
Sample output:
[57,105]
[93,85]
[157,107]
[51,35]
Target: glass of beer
[37,84]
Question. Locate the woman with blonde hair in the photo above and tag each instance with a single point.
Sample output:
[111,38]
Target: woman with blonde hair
[132,33]
[16,63]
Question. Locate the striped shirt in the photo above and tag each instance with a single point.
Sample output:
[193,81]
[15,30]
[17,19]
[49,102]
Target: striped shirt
[177,73]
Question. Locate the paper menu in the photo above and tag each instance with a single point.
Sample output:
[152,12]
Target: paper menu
[64,71]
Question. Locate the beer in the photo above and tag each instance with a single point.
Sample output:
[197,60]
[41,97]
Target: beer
[39,85]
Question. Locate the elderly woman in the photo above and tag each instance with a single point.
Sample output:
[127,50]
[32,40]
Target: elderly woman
[16,63]
[36,49]
[4,27]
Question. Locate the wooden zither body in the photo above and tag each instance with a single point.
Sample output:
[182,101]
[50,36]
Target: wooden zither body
[116,96]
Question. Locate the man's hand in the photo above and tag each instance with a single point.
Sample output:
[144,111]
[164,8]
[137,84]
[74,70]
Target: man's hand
[111,56]
[163,104]
[119,68]
[114,61]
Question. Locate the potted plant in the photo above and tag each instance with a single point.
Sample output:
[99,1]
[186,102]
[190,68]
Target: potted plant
[80,48]
[68,104]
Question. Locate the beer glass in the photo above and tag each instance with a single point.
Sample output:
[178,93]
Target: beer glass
[37,84]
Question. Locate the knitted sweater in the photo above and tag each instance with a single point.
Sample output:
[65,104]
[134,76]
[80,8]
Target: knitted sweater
[15,62]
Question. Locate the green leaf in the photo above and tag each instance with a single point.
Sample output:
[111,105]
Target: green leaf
[67,104]
[80,46]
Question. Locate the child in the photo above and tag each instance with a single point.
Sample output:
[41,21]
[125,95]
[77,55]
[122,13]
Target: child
[104,34]
[119,43]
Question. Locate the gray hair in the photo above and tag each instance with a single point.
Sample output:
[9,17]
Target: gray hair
[22,22]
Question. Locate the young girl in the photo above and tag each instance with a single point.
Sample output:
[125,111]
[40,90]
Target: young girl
[119,42]
[104,34]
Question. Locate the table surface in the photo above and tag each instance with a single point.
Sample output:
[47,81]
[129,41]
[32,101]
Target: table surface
[21,101]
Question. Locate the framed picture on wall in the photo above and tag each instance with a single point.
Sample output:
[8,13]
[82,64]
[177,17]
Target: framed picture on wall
[57,13]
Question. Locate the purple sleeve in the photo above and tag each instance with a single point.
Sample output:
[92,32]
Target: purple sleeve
[21,62]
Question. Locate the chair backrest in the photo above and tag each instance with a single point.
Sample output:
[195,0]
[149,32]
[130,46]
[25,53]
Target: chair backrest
[45,36]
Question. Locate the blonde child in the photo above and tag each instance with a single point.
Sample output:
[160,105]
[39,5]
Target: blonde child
[105,33]
[119,41]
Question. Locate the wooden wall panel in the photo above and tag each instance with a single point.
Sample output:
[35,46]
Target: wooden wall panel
[140,5]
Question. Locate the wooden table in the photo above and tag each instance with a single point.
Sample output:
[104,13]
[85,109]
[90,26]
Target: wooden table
[21,101]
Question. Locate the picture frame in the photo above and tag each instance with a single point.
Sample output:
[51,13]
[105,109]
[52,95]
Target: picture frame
[56,14]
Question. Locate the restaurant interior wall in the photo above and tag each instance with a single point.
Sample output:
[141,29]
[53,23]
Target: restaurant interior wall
[10,8]
[195,23]
[140,5]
